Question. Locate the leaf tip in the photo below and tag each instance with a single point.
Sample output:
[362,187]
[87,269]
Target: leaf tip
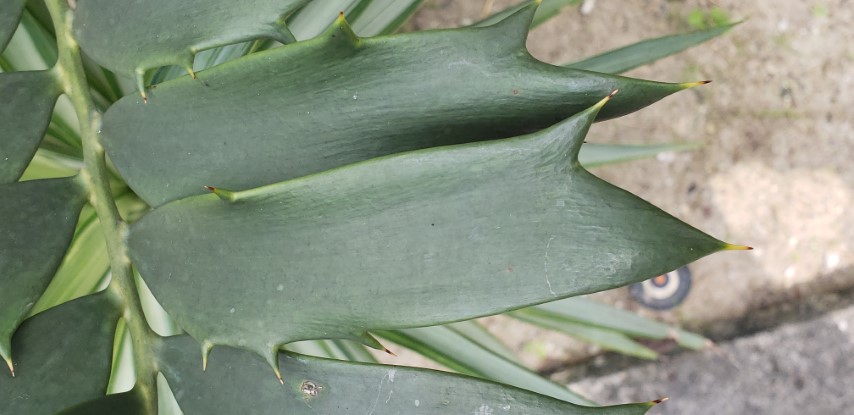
[659,400]
[206,350]
[605,100]
[223,194]
[732,247]
[687,85]
[11,365]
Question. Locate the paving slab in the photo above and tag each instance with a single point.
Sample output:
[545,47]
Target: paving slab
[797,368]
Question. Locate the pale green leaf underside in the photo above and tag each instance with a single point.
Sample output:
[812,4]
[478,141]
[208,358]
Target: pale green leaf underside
[453,350]
[26,102]
[336,100]
[647,51]
[381,17]
[9,17]
[595,155]
[606,339]
[129,37]
[546,10]
[39,217]
[237,382]
[417,239]
[590,312]
[64,358]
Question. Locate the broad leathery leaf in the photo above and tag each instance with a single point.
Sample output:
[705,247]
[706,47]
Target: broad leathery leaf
[9,17]
[125,403]
[64,357]
[417,239]
[238,382]
[27,102]
[595,155]
[339,99]
[454,351]
[546,10]
[593,313]
[604,338]
[38,220]
[130,37]
[641,53]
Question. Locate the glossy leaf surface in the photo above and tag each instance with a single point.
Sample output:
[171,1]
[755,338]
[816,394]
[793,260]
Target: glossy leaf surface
[130,37]
[417,239]
[26,102]
[39,217]
[338,99]
[63,360]
[238,382]
[9,20]
[647,51]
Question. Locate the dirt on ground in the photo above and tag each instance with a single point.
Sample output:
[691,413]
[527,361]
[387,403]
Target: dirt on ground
[774,171]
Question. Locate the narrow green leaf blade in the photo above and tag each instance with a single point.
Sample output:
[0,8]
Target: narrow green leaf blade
[130,37]
[451,349]
[546,10]
[238,382]
[313,19]
[355,99]
[595,155]
[377,238]
[125,403]
[27,102]
[586,311]
[9,20]
[84,266]
[607,339]
[38,222]
[382,17]
[476,333]
[64,357]
[647,51]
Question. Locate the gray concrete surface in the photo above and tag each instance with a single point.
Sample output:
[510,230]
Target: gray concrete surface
[797,368]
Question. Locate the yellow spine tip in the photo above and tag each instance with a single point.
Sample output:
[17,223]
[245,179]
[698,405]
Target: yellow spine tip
[687,85]
[341,17]
[11,366]
[602,102]
[658,401]
[279,376]
[206,350]
[144,97]
[538,2]
[731,247]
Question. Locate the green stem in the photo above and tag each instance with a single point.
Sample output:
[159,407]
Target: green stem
[95,176]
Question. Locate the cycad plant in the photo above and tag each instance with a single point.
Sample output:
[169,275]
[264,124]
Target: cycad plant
[285,202]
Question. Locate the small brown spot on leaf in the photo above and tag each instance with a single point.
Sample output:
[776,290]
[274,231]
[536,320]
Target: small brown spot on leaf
[515,91]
